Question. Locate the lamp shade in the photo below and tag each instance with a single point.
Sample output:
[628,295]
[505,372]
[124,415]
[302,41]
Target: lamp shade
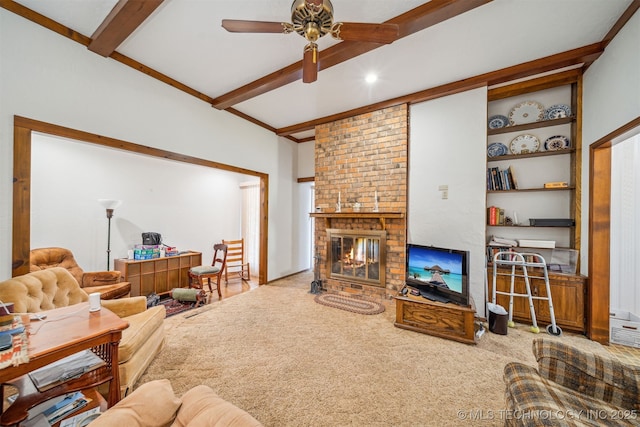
[110,203]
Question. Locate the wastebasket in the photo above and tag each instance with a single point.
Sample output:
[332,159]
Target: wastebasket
[498,318]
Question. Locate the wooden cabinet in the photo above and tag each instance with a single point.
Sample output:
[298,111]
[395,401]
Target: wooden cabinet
[567,295]
[450,321]
[158,275]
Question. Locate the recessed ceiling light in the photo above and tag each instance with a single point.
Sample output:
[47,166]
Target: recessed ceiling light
[371,78]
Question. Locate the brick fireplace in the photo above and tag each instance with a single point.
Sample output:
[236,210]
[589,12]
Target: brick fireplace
[355,160]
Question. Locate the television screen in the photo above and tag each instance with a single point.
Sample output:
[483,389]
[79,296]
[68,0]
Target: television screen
[439,273]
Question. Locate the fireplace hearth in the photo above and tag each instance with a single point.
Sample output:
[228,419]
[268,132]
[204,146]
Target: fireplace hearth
[357,256]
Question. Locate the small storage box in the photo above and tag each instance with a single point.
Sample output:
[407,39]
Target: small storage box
[141,252]
[624,328]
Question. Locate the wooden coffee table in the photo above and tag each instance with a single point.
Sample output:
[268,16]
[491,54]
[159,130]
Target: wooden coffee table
[63,332]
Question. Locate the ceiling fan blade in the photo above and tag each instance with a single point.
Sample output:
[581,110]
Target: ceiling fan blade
[363,32]
[239,26]
[310,63]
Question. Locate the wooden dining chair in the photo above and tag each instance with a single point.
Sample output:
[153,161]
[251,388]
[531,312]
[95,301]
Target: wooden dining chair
[197,275]
[235,260]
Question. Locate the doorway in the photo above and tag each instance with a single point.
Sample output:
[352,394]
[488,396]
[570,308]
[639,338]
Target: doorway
[599,289]
[23,129]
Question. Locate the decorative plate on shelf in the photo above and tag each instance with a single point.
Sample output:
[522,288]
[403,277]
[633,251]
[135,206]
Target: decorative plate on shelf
[497,149]
[525,143]
[526,112]
[498,121]
[557,112]
[557,142]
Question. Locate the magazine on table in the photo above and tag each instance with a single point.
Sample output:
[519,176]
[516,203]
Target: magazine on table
[65,369]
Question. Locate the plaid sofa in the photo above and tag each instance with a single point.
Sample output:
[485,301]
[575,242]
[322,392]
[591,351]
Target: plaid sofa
[571,388]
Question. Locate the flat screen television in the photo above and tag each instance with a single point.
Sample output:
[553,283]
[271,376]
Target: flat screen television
[439,274]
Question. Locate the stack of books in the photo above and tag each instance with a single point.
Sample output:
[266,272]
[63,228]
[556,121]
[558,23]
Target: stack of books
[495,216]
[501,180]
[54,410]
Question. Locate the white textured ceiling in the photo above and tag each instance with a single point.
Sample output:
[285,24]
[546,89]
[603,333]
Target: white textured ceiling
[184,40]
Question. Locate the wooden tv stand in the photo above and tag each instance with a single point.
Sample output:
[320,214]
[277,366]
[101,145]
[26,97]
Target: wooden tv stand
[450,321]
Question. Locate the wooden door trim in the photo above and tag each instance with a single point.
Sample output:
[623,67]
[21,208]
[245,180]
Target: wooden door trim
[23,128]
[598,294]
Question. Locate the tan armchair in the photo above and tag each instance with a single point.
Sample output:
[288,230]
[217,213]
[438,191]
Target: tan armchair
[106,282]
[55,287]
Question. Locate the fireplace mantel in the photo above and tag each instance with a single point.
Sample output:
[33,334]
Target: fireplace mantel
[381,216]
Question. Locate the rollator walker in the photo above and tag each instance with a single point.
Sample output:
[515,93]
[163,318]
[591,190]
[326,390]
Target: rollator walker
[519,262]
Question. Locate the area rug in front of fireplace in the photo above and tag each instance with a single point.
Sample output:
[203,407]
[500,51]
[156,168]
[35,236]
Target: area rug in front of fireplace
[348,303]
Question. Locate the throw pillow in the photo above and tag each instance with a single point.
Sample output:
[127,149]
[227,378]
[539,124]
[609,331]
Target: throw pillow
[153,404]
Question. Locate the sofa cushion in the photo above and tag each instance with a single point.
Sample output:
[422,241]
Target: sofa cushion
[108,292]
[141,327]
[153,404]
[535,401]
[202,407]
[603,378]
[42,290]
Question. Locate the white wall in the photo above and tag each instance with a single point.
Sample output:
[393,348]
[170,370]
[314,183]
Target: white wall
[192,206]
[306,159]
[447,146]
[50,78]
[625,224]
[611,99]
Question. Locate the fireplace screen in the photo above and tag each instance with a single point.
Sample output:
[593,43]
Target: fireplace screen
[357,255]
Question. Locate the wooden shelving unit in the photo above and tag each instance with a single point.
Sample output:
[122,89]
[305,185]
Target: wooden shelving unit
[568,290]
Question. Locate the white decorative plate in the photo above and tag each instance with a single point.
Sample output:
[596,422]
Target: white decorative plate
[557,142]
[557,112]
[498,121]
[526,112]
[497,149]
[525,143]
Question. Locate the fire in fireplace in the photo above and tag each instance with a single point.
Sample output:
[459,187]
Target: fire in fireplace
[357,255]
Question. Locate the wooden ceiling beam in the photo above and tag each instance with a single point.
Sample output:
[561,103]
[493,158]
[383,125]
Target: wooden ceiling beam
[125,17]
[415,20]
[581,55]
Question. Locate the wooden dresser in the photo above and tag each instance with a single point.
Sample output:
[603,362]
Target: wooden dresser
[158,275]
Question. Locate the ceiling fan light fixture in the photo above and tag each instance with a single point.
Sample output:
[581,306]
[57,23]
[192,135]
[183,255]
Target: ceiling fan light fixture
[306,12]
[312,32]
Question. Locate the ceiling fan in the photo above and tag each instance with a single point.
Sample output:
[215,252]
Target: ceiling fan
[313,19]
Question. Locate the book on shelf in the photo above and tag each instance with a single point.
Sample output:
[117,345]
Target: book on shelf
[556,184]
[512,176]
[65,369]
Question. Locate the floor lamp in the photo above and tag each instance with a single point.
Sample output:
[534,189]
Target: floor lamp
[109,205]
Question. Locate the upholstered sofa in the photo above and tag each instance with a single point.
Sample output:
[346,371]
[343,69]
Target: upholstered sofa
[155,404]
[107,283]
[571,387]
[56,287]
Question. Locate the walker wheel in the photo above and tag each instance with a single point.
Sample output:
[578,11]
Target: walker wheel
[535,329]
[557,333]
[511,324]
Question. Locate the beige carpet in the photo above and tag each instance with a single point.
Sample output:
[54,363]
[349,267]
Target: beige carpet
[289,361]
